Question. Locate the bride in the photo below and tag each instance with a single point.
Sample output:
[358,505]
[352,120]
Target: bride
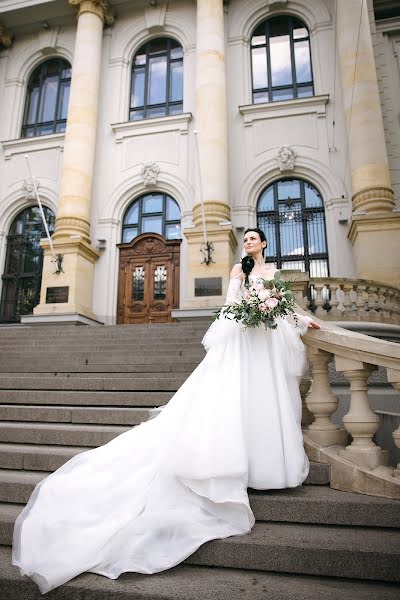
[149,498]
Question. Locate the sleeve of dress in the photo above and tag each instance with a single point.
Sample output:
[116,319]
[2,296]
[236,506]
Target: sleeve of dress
[299,321]
[233,293]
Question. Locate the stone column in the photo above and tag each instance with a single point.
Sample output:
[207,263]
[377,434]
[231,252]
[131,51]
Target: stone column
[71,237]
[374,228]
[211,126]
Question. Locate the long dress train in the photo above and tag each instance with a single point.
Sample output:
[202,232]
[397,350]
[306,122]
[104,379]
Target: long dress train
[149,498]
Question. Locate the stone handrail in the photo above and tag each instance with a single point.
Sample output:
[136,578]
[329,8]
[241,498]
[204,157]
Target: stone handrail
[344,299]
[359,466]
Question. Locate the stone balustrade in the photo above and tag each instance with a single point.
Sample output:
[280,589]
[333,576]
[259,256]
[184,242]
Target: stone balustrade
[339,299]
[357,463]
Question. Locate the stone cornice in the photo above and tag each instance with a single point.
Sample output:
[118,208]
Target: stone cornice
[98,7]
[6,37]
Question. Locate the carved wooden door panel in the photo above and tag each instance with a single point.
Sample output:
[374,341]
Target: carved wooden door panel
[148,286]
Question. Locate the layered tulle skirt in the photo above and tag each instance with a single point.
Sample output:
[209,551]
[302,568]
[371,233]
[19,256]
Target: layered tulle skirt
[149,498]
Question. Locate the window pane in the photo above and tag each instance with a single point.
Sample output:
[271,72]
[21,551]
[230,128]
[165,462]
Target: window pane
[33,101]
[316,234]
[259,97]
[63,100]
[66,72]
[177,52]
[48,100]
[159,111]
[138,284]
[288,188]
[281,70]
[60,127]
[152,204]
[282,95]
[173,232]
[137,93]
[259,63]
[157,80]
[129,234]
[257,40]
[160,283]
[298,265]
[140,58]
[132,215]
[29,132]
[319,268]
[136,115]
[291,232]
[300,32]
[152,225]
[313,199]
[173,212]
[305,92]
[302,58]
[269,228]
[266,201]
[45,129]
[176,81]
[158,45]
[175,109]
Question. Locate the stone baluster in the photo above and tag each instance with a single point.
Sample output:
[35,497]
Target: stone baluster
[319,299]
[360,421]
[382,306]
[347,301]
[360,301]
[322,403]
[334,313]
[306,417]
[393,376]
[372,302]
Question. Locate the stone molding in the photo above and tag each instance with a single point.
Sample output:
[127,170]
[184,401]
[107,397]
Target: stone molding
[6,37]
[25,145]
[67,226]
[101,8]
[214,212]
[157,125]
[284,108]
[374,200]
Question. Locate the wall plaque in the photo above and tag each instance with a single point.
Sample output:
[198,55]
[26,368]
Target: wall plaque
[208,286]
[57,294]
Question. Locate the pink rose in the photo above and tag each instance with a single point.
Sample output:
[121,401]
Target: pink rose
[271,302]
[263,307]
[264,294]
[258,286]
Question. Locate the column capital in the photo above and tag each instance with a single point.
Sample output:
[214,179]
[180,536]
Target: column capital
[101,8]
[6,37]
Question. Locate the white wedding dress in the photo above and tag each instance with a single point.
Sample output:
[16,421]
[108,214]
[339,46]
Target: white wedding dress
[149,498]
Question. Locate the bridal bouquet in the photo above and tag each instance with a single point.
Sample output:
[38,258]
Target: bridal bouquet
[263,302]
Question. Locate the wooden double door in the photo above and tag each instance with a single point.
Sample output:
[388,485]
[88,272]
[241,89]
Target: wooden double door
[148,284]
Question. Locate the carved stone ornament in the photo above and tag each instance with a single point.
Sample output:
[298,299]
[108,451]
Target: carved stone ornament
[6,37]
[100,7]
[29,188]
[149,173]
[154,14]
[285,157]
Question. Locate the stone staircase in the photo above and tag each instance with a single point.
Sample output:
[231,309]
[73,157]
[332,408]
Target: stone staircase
[66,389]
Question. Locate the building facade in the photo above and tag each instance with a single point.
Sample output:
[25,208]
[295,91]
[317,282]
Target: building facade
[158,131]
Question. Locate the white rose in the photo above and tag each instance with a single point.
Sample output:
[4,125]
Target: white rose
[264,294]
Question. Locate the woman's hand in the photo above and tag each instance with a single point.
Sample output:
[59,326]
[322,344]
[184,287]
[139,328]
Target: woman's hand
[314,325]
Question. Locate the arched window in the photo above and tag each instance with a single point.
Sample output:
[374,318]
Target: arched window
[24,258]
[157,80]
[47,98]
[152,213]
[281,60]
[291,213]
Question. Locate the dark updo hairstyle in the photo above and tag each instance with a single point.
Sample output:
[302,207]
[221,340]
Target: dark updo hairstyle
[248,261]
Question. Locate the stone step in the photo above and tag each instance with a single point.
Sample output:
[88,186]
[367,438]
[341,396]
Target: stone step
[186,582]
[59,434]
[117,355]
[16,485]
[56,361]
[333,551]
[67,367]
[32,457]
[74,414]
[13,384]
[119,376]
[107,346]
[307,504]
[87,398]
